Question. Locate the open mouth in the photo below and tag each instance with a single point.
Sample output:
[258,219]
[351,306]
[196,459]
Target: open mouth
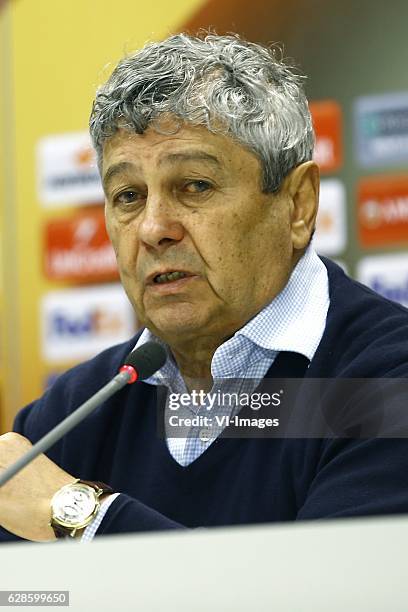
[169,277]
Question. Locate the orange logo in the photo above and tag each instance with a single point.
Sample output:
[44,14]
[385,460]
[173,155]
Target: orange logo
[77,248]
[383,210]
[327,123]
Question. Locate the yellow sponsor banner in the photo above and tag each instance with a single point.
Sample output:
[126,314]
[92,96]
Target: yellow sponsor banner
[57,53]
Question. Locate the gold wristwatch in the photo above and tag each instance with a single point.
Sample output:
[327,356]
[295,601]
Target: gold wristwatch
[75,505]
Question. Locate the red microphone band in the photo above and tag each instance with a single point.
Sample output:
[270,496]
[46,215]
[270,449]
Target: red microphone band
[132,373]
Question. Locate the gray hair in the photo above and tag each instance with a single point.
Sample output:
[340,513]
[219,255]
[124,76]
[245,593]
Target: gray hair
[229,85]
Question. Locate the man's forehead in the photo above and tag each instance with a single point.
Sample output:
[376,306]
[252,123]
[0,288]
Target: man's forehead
[126,151]
[187,136]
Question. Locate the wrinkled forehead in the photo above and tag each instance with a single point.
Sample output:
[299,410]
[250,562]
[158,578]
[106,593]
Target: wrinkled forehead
[159,145]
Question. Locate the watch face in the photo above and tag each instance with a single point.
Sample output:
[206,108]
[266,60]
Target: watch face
[73,504]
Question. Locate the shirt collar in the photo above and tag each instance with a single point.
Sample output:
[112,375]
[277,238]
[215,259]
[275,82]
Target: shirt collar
[296,318]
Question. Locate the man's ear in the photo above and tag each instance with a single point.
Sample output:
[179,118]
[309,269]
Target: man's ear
[302,186]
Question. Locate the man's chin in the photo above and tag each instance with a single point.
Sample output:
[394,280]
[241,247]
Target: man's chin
[176,327]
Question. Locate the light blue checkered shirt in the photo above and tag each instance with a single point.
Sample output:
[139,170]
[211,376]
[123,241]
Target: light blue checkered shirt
[294,321]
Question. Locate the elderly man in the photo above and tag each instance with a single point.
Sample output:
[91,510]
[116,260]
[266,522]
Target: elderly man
[205,153]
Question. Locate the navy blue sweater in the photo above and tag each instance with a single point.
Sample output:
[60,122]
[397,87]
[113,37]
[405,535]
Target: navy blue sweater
[238,481]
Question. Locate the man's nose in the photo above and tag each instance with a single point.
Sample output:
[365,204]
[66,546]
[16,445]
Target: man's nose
[160,226]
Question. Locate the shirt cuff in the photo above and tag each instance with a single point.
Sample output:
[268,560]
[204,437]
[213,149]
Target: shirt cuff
[93,527]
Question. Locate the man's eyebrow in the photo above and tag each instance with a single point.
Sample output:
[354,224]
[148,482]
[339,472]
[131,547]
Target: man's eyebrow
[173,158]
[115,169]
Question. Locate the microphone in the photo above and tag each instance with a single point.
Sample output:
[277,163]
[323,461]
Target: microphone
[144,361]
[138,365]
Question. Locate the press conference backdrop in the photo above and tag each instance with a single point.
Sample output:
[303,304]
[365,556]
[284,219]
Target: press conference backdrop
[61,300]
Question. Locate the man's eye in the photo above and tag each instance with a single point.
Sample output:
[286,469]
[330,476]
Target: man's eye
[197,186]
[126,197]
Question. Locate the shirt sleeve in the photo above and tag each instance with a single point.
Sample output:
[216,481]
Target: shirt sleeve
[93,527]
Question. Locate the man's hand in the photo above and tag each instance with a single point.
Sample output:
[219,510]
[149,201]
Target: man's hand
[26,499]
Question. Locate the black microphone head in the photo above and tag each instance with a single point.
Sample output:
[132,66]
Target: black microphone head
[146,359]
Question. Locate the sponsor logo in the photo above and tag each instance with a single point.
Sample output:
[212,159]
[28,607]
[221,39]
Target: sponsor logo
[67,170]
[387,275]
[381,124]
[383,210]
[327,123]
[78,323]
[95,322]
[78,248]
[390,211]
[331,231]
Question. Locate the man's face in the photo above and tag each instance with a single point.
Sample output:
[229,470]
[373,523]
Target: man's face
[191,203]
